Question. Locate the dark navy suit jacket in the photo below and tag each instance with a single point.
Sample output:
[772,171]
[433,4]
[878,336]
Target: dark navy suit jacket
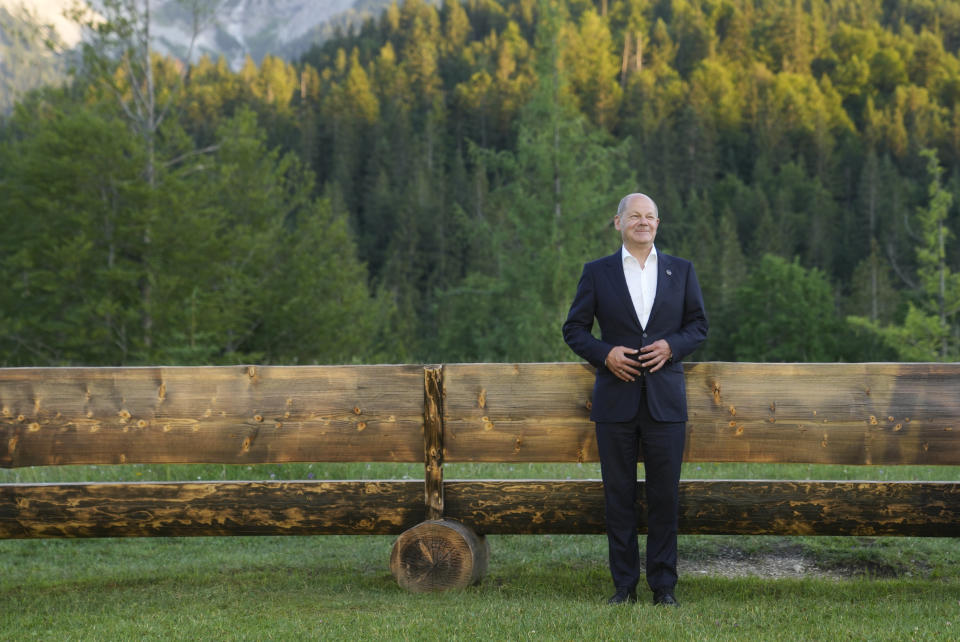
[677,316]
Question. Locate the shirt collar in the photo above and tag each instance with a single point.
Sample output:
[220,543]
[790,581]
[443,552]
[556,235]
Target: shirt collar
[651,258]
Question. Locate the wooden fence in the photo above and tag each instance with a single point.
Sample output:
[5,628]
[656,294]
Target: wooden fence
[851,414]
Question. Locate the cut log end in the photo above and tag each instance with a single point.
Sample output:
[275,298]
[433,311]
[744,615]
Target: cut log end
[439,555]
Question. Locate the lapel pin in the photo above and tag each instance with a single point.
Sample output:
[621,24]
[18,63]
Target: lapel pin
[669,273]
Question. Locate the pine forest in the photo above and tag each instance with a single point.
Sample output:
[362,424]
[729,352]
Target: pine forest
[425,187]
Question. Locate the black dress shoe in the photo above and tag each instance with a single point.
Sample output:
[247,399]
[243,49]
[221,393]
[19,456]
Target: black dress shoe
[664,598]
[623,597]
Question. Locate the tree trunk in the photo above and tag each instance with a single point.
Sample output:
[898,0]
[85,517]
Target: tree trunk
[639,60]
[941,290]
[624,60]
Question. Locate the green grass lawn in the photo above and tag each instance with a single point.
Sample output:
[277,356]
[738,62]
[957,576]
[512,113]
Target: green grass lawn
[590,470]
[538,587]
[339,587]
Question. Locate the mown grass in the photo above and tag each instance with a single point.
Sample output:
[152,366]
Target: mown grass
[538,587]
[590,470]
[549,587]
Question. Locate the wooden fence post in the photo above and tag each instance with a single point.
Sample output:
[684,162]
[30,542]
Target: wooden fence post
[437,554]
[433,440]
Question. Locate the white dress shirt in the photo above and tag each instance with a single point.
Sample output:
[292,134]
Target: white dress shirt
[641,282]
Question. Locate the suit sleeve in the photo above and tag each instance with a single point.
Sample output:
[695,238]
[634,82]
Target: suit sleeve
[577,328]
[693,330]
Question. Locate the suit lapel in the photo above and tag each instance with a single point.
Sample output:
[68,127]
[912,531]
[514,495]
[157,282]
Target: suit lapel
[619,283]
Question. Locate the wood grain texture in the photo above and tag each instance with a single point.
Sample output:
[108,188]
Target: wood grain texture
[804,413]
[209,508]
[715,507]
[489,507]
[233,414]
[439,555]
[862,413]
[857,413]
[433,441]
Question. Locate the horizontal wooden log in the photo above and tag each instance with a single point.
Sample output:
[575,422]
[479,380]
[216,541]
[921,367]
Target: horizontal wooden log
[528,506]
[209,508]
[883,414]
[856,413]
[928,509]
[489,507]
[235,414]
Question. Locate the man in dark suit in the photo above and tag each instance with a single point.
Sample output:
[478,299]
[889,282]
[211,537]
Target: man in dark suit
[650,311]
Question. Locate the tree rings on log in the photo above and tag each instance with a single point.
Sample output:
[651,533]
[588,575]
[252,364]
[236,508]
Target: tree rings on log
[438,555]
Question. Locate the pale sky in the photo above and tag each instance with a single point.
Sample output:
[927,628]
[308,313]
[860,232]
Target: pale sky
[50,12]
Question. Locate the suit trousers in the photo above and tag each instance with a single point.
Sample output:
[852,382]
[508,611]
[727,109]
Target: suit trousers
[619,445]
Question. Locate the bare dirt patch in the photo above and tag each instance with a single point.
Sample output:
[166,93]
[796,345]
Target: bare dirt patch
[863,557]
[772,565]
[795,562]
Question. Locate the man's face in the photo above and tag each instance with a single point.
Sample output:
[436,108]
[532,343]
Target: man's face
[638,222]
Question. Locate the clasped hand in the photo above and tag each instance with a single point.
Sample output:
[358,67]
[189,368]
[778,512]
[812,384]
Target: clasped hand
[625,363]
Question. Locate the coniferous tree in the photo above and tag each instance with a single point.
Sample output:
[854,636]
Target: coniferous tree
[548,217]
[780,127]
[929,331]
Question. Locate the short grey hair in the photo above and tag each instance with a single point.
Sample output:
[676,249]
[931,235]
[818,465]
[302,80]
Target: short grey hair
[623,203]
